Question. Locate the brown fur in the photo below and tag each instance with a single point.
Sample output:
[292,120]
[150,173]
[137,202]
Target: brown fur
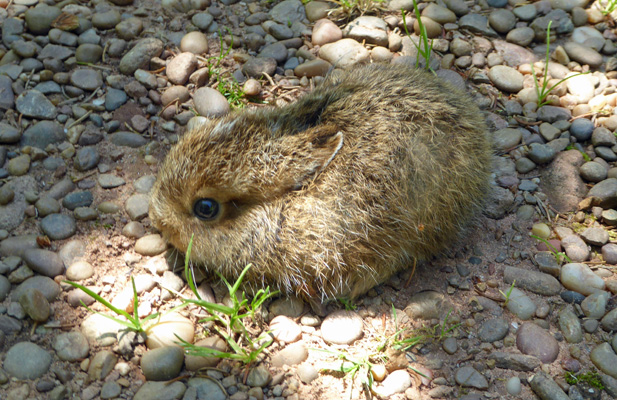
[331,195]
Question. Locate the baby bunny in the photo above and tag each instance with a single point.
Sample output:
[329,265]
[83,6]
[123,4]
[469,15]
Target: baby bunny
[330,195]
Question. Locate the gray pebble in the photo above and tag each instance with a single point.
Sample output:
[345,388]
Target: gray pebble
[44,262]
[493,330]
[520,304]
[203,20]
[106,19]
[546,388]
[35,305]
[534,281]
[128,139]
[7,194]
[163,363]
[40,18]
[114,99]
[581,129]
[540,153]
[5,287]
[595,236]
[109,181]
[307,373]
[140,55]
[255,67]
[110,390]
[8,134]
[86,158]
[605,359]
[43,284]
[85,214]
[58,226]
[260,376]
[34,104]
[502,20]
[477,23]
[609,253]
[77,199]
[134,229]
[570,326]
[137,206]
[87,79]
[129,28]
[467,376]
[606,153]
[507,138]
[594,306]
[26,360]
[553,114]
[583,54]
[369,29]
[521,36]
[101,365]
[175,390]
[593,171]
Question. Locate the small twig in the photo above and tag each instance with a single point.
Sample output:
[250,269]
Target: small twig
[93,66]
[80,119]
[269,78]
[130,128]
[523,122]
[174,102]
[87,99]
[105,51]
[89,174]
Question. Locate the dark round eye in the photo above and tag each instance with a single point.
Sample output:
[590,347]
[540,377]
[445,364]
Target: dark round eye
[206,209]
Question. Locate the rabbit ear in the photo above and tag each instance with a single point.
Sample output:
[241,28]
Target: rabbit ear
[308,153]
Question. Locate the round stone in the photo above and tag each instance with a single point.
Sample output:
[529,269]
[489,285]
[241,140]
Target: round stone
[58,226]
[150,245]
[26,360]
[506,78]
[163,333]
[342,327]
[44,262]
[35,305]
[194,42]
[536,341]
[580,278]
[79,270]
[593,171]
[137,206]
[87,79]
[163,363]
[88,53]
[502,20]
[210,102]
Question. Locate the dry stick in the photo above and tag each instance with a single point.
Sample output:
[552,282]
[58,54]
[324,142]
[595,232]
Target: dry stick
[171,103]
[78,120]
[413,271]
[89,174]
[105,52]
[87,99]
[523,122]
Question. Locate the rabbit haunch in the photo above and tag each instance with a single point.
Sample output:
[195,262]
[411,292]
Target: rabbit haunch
[330,195]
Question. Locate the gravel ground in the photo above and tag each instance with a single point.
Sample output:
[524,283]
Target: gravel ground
[93,94]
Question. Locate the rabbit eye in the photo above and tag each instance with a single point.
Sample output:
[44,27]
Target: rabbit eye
[206,209]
